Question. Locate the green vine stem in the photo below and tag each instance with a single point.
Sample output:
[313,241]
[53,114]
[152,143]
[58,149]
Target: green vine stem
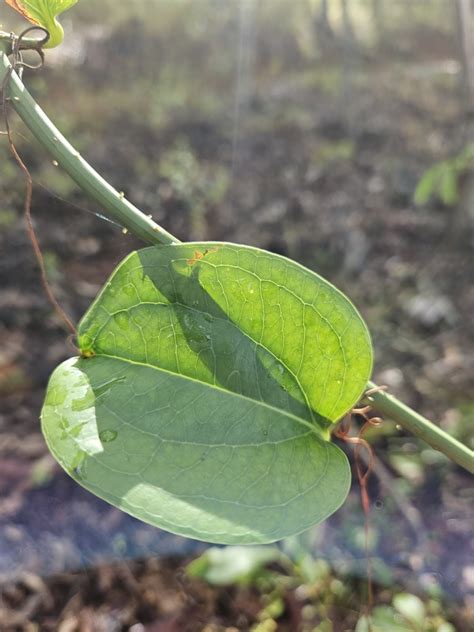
[27,43]
[421,427]
[114,205]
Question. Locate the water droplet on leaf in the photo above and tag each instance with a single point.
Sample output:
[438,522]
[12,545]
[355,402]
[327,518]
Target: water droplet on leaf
[106,436]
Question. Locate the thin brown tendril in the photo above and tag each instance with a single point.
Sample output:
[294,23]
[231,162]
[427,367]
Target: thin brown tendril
[375,389]
[17,62]
[363,474]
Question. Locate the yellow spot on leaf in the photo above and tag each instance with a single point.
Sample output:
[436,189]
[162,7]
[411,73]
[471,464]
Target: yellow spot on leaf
[87,353]
[200,255]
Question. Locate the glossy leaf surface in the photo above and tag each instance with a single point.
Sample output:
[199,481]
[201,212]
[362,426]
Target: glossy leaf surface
[210,377]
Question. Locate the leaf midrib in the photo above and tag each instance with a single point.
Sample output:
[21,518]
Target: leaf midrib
[317,431]
[202,312]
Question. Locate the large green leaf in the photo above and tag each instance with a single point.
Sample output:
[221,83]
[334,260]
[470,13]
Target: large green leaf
[44,13]
[210,378]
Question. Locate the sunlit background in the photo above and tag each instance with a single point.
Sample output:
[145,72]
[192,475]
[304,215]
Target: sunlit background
[339,133]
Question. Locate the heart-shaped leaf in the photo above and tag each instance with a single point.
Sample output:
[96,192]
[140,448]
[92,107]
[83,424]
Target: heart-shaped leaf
[210,377]
[44,13]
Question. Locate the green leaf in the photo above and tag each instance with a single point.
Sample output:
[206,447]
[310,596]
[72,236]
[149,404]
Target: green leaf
[411,607]
[383,619]
[233,564]
[44,13]
[448,186]
[427,185]
[210,378]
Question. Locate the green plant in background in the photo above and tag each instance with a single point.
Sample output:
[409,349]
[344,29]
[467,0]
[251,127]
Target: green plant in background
[210,375]
[236,565]
[338,151]
[442,179]
[272,573]
[406,613]
[195,184]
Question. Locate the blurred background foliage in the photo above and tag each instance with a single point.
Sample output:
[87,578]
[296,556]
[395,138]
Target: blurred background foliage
[336,132]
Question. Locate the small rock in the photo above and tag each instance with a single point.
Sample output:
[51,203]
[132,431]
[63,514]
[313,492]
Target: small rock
[431,310]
